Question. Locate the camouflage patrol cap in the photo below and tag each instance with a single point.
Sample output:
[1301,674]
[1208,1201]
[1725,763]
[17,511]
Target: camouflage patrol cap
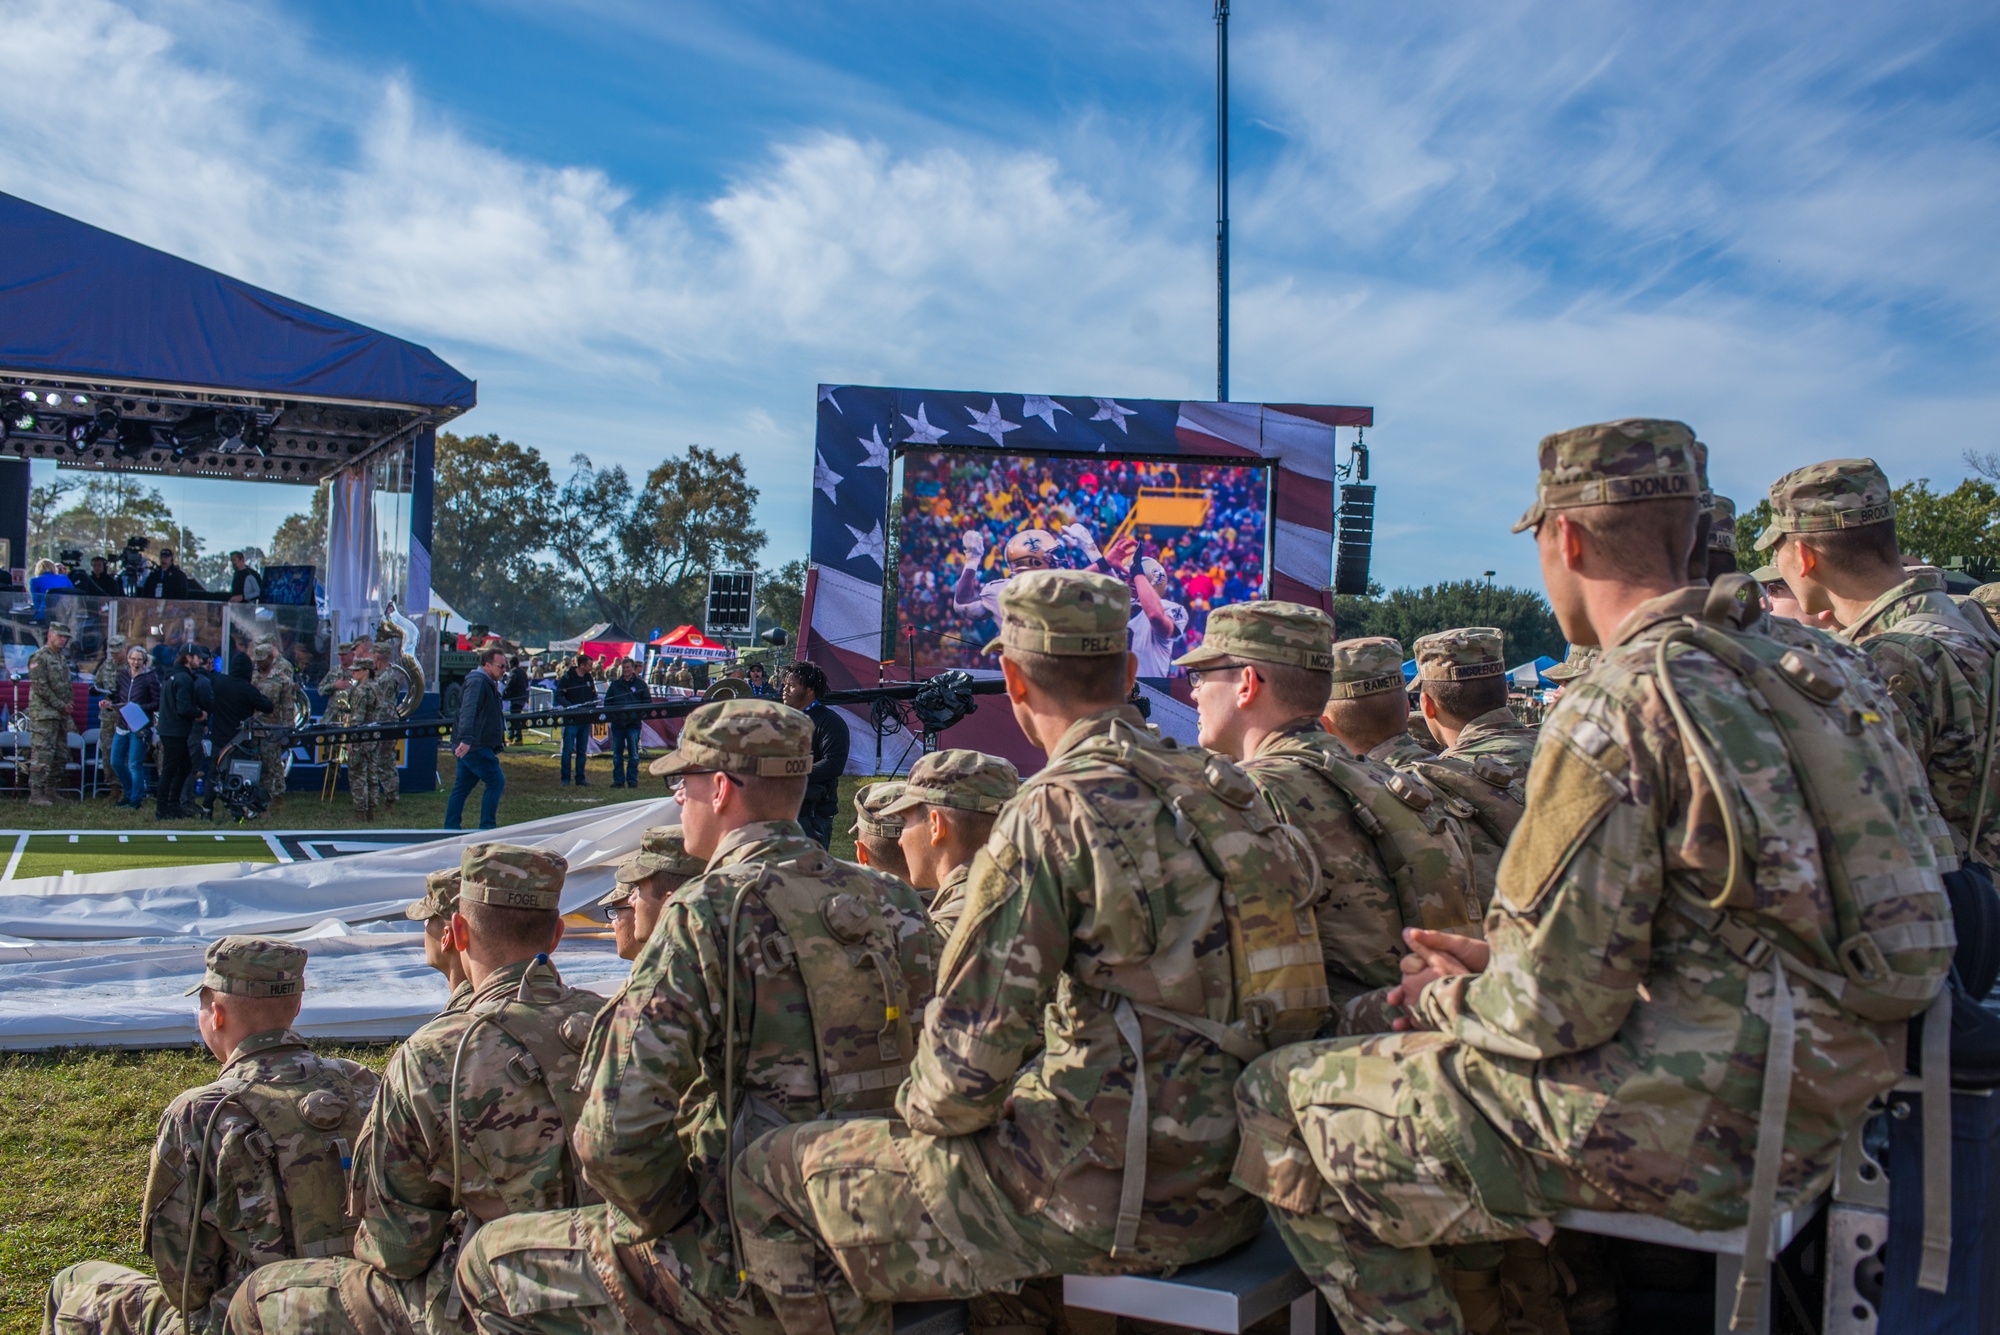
[750,737]
[1460,655]
[869,804]
[58,628]
[1580,659]
[1770,575]
[1822,497]
[440,896]
[1070,613]
[1265,632]
[1721,524]
[661,849]
[1637,459]
[252,966]
[263,646]
[512,876]
[1987,596]
[967,780]
[1370,665]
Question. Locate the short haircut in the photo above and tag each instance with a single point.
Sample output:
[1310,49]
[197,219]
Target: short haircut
[236,556]
[511,931]
[1849,548]
[1642,538]
[488,655]
[969,829]
[809,676]
[1382,714]
[885,855]
[771,797]
[1073,681]
[1301,690]
[1460,702]
[661,884]
[260,1013]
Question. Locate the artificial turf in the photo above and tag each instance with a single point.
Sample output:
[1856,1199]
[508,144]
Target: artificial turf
[54,854]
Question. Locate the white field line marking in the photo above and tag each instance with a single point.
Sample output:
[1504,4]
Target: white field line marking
[20,847]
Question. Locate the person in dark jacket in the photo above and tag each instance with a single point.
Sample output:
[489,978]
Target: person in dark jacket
[245,585]
[478,737]
[803,685]
[97,580]
[168,580]
[183,702]
[236,701]
[574,690]
[515,694]
[628,691]
[139,685]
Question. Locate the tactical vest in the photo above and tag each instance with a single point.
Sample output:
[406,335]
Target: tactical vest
[860,981]
[1407,820]
[1274,952]
[306,1129]
[552,1045]
[1895,927]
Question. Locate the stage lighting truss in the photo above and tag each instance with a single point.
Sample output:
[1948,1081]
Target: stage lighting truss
[191,431]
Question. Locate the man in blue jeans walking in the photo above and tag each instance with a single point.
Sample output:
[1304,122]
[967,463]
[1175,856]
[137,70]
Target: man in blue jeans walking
[575,690]
[479,736]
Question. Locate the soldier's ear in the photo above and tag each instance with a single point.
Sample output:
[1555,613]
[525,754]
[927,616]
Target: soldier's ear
[939,828]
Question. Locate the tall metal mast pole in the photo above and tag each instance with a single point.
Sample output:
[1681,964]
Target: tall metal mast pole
[1222,200]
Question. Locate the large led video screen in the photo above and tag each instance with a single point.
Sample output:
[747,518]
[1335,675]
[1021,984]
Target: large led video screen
[1186,537]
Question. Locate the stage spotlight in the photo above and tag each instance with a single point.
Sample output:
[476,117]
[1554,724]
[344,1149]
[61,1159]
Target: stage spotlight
[52,399]
[206,429]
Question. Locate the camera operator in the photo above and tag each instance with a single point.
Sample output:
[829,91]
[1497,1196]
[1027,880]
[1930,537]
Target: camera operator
[130,581]
[235,701]
[98,581]
[168,580]
[184,700]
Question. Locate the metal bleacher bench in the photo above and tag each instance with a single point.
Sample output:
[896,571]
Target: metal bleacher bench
[1227,1294]
[1235,1290]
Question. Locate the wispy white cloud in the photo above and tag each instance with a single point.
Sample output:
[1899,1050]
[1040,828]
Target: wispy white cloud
[1489,223]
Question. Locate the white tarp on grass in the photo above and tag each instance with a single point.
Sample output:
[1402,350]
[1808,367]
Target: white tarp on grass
[103,959]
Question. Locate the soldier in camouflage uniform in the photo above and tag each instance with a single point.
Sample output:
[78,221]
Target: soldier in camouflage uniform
[1068,1107]
[1833,538]
[1664,938]
[435,912]
[275,681]
[876,835]
[781,986]
[1579,659]
[1369,710]
[219,1203]
[472,1123]
[660,867]
[371,764]
[948,808]
[390,651]
[51,709]
[1389,855]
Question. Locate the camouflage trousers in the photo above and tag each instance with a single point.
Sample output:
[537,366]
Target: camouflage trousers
[841,1220]
[371,776]
[1369,1155]
[564,1273]
[342,1296]
[271,751]
[48,756]
[99,1298]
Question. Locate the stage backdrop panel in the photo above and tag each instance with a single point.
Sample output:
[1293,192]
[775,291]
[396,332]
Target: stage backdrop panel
[1276,543]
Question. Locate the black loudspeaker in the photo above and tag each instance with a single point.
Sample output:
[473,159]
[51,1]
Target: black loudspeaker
[1353,540]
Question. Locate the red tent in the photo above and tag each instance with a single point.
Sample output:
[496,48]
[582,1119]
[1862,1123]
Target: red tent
[689,643]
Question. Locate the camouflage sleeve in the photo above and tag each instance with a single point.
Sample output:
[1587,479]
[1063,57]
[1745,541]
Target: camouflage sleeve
[105,679]
[646,1097]
[1572,923]
[1915,687]
[239,1226]
[999,968]
[401,1187]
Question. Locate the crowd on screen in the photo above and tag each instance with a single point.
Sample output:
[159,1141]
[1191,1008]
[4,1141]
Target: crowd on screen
[946,494]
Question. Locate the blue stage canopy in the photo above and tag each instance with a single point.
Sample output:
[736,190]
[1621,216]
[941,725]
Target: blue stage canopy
[78,302]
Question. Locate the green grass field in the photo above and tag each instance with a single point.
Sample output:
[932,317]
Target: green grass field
[54,854]
[76,1126]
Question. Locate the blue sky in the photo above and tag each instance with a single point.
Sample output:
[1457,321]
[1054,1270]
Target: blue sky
[643,225]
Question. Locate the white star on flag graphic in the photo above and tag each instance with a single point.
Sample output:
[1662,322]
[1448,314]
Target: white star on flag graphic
[826,396]
[824,478]
[921,430]
[878,453]
[1109,411]
[1042,406]
[872,544]
[990,423]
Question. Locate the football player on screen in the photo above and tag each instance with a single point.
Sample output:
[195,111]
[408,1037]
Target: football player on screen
[1030,549]
[1159,623]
